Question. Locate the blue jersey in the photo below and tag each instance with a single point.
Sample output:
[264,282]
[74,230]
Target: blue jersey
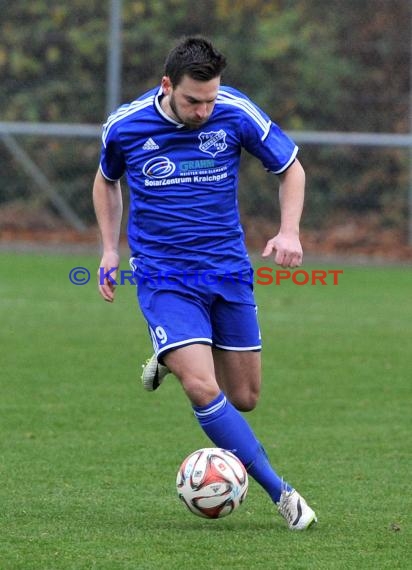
[183,182]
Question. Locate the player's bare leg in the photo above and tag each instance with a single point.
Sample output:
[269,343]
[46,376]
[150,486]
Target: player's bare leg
[239,375]
[194,367]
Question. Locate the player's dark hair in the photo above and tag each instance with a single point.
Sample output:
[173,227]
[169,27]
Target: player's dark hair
[195,57]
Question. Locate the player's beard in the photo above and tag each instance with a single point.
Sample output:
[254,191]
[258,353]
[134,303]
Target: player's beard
[187,124]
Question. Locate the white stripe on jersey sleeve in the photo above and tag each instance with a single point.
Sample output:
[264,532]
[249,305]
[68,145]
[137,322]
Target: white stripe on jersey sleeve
[229,99]
[289,162]
[105,175]
[125,111]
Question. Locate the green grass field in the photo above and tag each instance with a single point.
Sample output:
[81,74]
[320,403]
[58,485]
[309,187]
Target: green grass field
[88,459]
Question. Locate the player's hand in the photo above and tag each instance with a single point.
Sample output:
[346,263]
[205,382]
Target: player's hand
[286,248]
[106,275]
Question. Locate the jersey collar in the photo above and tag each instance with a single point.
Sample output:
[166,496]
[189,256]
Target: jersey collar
[162,113]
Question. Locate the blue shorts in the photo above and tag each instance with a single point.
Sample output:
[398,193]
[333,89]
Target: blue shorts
[181,311]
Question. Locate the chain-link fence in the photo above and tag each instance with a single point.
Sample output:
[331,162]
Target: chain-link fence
[58,83]
[49,182]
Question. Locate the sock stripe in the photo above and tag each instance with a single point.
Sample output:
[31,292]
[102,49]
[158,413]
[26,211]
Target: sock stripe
[227,428]
[204,412]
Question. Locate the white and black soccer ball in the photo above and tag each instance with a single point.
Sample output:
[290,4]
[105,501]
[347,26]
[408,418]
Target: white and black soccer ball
[212,482]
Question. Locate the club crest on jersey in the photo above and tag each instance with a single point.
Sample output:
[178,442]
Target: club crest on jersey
[213,142]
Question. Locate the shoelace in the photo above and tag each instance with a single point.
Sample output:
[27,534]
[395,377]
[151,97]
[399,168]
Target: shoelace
[285,506]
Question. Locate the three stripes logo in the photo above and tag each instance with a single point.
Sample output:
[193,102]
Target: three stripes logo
[150,145]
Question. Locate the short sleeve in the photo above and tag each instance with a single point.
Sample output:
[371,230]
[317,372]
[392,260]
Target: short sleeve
[265,139]
[112,164]
[277,151]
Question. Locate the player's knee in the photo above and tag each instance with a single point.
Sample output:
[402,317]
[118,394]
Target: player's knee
[245,401]
[199,391]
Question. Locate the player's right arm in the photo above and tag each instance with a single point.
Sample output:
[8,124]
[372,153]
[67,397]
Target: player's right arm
[108,206]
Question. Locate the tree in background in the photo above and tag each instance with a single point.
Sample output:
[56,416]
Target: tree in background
[311,64]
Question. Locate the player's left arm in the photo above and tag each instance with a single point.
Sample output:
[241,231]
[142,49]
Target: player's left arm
[286,245]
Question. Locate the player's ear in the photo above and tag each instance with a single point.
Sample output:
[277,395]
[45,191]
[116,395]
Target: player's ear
[166,85]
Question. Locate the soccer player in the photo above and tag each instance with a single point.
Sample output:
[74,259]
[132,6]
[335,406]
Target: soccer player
[179,145]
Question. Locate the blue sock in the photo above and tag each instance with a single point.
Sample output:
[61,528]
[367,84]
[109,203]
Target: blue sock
[227,428]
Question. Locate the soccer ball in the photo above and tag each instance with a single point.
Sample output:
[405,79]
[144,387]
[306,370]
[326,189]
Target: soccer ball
[212,482]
